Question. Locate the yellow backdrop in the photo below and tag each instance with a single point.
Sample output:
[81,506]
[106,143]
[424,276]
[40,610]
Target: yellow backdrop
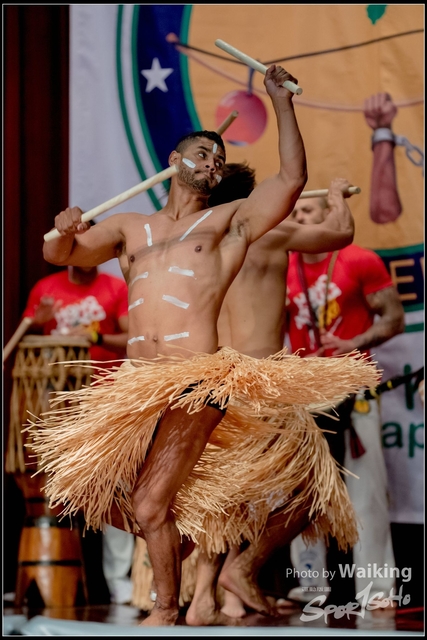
[335,85]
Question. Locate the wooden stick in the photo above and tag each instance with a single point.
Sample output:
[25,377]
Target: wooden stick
[319,193]
[229,119]
[122,197]
[20,331]
[251,62]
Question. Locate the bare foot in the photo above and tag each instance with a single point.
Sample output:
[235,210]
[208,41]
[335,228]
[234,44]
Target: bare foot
[233,605]
[243,585]
[160,618]
[203,613]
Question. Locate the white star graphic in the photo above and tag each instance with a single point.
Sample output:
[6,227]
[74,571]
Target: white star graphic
[156,76]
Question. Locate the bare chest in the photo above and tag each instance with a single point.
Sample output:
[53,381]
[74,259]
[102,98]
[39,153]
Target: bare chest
[189,246]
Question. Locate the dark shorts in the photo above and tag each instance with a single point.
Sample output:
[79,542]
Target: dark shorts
[209,402]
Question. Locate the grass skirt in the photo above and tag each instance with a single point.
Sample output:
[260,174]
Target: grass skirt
[264,448]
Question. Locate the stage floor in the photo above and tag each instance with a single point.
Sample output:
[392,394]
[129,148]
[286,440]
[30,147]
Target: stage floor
[115,620]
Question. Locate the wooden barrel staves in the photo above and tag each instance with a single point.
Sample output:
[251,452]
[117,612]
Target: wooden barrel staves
[50,558]
[50,554]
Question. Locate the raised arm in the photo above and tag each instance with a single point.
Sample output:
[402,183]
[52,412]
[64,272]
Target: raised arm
[385,205]
[336,231]
[273,199]
[80,244]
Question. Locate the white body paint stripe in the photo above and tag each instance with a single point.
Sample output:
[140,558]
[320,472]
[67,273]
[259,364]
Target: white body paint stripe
[204,216]
[136,303]
[182,272]
[137,339]
[175,336]
[143,275]
[189,163]
[149,236]
[176,302]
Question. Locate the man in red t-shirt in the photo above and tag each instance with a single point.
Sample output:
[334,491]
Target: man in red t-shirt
[337,302]
[82,301]
[359,288]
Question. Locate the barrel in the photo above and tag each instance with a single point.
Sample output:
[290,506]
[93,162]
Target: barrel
[50,553]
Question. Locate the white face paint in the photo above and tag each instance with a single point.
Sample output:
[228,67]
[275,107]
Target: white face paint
[176,302]
[149,236]
[193,226]
[215,148]
[176,336]
[135,304]
[136,339]
[143,275]
[189,163]
[182,272]
[218,178]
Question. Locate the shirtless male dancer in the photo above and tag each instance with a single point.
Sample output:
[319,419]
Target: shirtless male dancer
[212,243]
[252,321]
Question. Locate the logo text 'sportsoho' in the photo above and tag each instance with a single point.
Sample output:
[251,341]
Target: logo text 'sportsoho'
[365,602]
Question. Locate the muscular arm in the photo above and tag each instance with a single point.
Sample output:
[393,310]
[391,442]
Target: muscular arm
[335,232]
[385,205]
[391,321]
[273,199]
[80,244]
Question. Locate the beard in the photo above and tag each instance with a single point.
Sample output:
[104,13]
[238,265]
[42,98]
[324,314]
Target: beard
[201,186]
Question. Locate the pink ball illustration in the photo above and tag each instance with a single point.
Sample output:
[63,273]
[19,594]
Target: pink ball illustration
[249,124]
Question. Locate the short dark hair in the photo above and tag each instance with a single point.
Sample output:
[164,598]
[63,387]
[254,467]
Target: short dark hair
[238,182]
[184,141]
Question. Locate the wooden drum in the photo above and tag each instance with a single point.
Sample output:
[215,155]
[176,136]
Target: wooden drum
[50,553]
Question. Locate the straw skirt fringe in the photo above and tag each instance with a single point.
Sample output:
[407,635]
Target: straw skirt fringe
[93,449]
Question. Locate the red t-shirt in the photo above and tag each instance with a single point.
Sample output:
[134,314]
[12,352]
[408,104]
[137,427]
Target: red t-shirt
[357,272]
[97,306]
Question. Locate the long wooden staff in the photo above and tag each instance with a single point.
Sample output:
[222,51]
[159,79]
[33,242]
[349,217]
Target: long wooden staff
[122,197]
[251,62]
[319,193]
[20,331]
[229,119]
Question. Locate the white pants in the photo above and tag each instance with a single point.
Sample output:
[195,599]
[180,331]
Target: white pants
[117,554]
[369,495]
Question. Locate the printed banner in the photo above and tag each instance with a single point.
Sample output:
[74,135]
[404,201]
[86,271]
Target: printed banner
[143,75]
